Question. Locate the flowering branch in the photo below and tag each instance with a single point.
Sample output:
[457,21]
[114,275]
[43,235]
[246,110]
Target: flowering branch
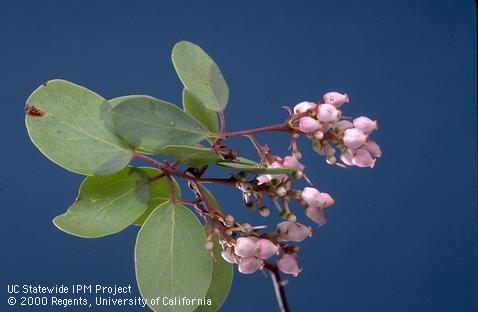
[146,123]
[323,124]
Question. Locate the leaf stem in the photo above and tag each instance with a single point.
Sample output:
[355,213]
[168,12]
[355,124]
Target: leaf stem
[222,120]
[278,286]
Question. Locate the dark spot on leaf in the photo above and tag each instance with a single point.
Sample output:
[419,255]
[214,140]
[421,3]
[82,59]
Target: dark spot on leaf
[33,111]
[45,83]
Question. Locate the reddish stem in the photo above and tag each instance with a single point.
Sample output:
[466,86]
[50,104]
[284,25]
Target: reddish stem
[169,170]
[278,127]
[189,201]
[156,177]
[222,120]
[278,286]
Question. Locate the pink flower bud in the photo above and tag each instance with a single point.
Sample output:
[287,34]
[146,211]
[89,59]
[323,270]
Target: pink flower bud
[313,197]
[329,201]
[263,178]
[282,227]
[327,113]
[291,162]
[245,246]
[354,138]
[288,265]
[343,125]
[365,124]
[362,158]
[302,107]
[373,149]
[266,249]
[249,265]
[308,124]
[319,135]
[335,98]
[316,214]
[294,232]
[346,158]
[228,256]
[277,163]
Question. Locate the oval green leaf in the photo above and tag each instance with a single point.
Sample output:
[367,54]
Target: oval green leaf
[170,258]
[74,129]
[246,165]
[192,155]
[115,101]
[200,75]
[150,123]
[222,271]
[106,204]
[204,115]
[158,192]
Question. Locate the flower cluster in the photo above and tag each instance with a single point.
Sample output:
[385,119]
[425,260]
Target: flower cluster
[327,130]
[324,125]
[249,252]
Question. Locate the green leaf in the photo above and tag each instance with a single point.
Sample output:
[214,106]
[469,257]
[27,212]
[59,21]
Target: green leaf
[222,271]
[170,257]
[150,124]
[106,204]
[158,192]
[192,155]
[75,130]
[200,75]
[115,101]
[204,115]
[242,164]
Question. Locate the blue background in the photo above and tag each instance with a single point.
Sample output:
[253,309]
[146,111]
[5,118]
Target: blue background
[402,237]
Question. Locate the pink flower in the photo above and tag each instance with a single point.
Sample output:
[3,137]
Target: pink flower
[335,98]
[316,214]
[346,158]
[327,113]
[292,231]
[263,178]
[302,107]
[354,138]
[343,125]
[365,124]
[313,197]
[362,158]
[266,249]
[249,265]
[373,149]
[245,246]
[308,124]
[319,135]
[288,265]
[329,201]
[291,162]
[228,256]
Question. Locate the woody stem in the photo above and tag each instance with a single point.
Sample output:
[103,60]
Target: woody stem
[278,287]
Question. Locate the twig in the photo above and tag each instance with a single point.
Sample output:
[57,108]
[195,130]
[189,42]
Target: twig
[278,127]
[278,286]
